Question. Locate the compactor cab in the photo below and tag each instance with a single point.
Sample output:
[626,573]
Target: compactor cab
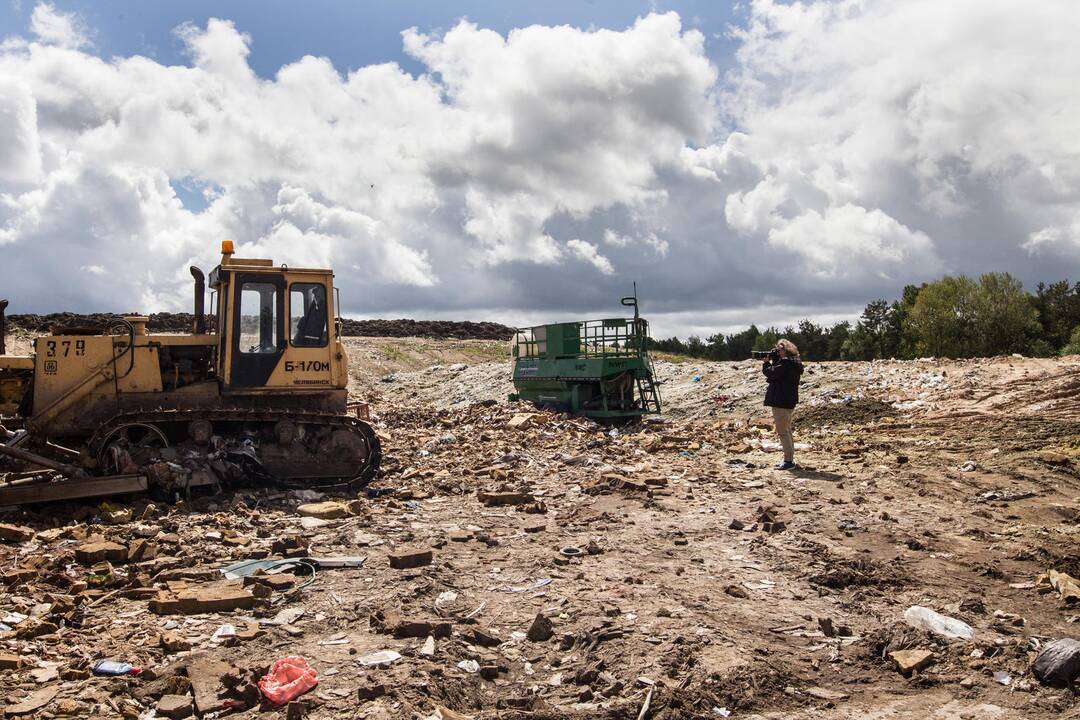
[258,389]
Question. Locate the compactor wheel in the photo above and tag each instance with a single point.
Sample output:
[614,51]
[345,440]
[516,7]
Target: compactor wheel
[128,446]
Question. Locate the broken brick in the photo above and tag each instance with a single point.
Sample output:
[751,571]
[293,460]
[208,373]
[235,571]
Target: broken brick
[520,421]
[620,482]
[393,623]
[260,591]
[328,510]
[541,629]
[274,582]
[486,638]
[19,575]
[371,691]
[10,662]
[247,632]
[175,706]
[202,600]
[34,628]
[908,661]
[15,533]
[206,684]
[140,550]
[95,552]
[173,642]
[289,546]
[407,558]
[498,499]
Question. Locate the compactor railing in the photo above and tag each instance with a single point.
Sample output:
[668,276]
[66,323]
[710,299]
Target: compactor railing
[595,338]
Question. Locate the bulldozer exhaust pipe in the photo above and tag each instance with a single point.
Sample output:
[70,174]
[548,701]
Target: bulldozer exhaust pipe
[200,299]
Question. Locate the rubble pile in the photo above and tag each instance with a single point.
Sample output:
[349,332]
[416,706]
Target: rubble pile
[516,563]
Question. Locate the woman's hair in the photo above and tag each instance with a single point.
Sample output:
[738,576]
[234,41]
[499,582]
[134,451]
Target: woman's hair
[788,347]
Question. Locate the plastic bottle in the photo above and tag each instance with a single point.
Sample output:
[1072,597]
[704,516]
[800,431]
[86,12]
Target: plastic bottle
[112,667]
[926,619]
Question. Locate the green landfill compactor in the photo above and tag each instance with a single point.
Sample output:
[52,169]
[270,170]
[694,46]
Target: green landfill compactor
[600,369]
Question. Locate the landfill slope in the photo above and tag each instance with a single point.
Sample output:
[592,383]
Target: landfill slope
[702,584]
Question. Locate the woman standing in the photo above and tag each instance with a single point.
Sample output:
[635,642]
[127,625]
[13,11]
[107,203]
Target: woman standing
[782,369]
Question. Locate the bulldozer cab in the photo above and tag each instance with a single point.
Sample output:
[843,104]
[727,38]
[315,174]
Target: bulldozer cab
[276,326]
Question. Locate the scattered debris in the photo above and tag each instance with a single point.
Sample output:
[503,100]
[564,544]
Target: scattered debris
[497,499]
[204,599]
[541,628]
[909,661]
[821,693]
[926,619]
[1066,585]
[111,667]
[382,658]
[408,558]
[327,510]
[15,533]
[1058,663]
[175,706]
[289,678]
[741,616]
[32,702]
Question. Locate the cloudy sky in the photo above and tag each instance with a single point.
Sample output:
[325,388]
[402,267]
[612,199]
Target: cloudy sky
[755,162]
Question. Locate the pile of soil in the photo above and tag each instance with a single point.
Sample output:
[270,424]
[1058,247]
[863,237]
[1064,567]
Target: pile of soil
[182,322]
[159,322]
[460,330]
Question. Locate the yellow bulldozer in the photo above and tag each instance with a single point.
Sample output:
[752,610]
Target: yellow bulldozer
[257,390]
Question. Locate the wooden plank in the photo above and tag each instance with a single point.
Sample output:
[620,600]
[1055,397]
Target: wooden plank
[69,489]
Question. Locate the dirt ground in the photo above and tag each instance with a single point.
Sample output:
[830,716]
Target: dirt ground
[950,485]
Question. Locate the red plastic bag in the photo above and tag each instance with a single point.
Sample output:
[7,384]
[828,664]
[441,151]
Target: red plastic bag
[289,677]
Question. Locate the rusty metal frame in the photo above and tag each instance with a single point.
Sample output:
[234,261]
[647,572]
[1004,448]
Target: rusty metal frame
[40,492]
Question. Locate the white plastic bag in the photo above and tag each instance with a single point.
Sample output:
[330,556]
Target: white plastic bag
[926,619]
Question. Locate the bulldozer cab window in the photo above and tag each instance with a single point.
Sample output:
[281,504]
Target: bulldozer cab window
[307,314]
[258,318]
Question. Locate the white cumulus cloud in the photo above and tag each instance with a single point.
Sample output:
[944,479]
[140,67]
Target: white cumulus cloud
[587,252]
[853,146]
[54,27]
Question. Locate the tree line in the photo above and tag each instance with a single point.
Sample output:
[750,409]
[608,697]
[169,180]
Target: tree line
[954,317]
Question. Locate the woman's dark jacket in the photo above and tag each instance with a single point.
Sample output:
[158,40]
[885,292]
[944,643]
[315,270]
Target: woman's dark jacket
[783,377]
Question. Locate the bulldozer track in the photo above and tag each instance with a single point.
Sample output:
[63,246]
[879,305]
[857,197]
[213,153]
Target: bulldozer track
[171,419]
